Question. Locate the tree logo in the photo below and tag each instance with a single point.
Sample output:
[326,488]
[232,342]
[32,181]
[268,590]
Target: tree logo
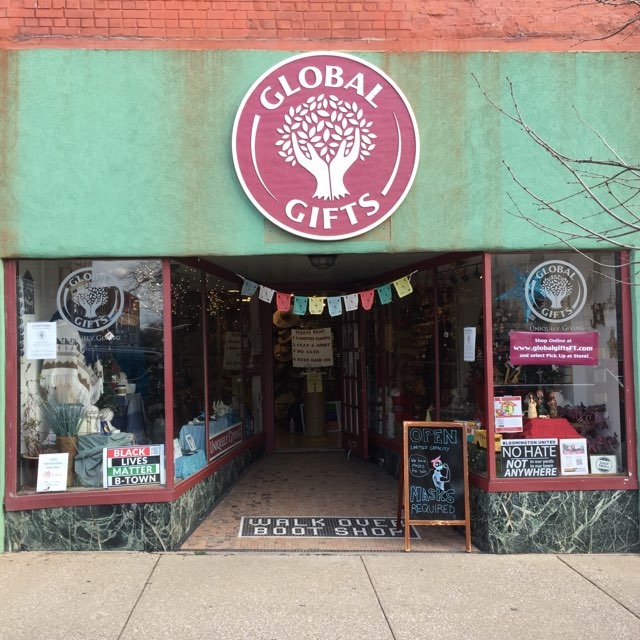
[86,305]
[555,291]
[325,146]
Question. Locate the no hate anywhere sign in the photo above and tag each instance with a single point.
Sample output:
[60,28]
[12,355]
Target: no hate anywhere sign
[530,458]
[133,466]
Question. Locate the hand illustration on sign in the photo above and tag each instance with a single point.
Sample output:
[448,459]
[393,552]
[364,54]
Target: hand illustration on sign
[441,473]
[326,136]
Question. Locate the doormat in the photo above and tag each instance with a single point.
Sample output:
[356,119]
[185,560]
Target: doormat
[321,527]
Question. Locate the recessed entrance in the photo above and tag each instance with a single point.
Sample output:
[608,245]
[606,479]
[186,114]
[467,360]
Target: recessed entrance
[314,484]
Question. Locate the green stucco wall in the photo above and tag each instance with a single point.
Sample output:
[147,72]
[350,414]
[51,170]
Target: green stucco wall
[128,152]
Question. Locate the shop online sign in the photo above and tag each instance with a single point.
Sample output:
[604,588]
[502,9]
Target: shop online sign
[325,145]
[560,348]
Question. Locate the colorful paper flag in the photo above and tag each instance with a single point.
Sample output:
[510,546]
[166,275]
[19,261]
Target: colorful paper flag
[316,305]
[283,301]
[335,305]
[366,297]
[300,305]
[384,293]
[403,287]
[248,288]
[266,294]
[351,301]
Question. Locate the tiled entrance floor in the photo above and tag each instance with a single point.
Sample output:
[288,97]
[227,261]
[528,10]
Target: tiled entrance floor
[313,484]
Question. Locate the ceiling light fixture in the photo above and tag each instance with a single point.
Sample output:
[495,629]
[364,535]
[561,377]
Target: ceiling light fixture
[322,261]
[477,274]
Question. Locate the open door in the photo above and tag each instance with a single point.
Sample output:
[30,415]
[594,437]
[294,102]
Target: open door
[354,428]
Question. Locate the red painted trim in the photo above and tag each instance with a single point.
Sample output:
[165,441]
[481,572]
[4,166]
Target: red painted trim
[94,497]
[11,379]
[577,483]
[627,368]
[363,435]
[471,45]
[266,373]
[168,370]
[489,423]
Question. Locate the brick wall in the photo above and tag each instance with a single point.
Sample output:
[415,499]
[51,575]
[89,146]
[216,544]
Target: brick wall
[400,24]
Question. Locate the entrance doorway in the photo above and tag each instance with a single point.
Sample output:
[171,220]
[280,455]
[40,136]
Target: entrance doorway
[307,385]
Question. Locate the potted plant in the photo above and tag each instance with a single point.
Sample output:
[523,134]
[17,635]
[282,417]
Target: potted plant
[64,420]
[591,423]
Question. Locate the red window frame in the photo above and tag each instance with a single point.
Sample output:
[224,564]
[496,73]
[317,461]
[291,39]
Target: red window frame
[493,484]
[91,497]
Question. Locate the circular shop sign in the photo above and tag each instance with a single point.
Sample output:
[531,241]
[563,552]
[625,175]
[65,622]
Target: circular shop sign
[325,145]
[555,291]
[86,305]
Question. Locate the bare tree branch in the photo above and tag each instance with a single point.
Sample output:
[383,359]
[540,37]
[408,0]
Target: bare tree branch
[631,24]
[609,186]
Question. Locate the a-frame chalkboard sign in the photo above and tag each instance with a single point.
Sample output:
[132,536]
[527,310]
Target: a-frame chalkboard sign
[435,477]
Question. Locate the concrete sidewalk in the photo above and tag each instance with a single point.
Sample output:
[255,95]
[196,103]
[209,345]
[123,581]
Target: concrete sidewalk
[279,596]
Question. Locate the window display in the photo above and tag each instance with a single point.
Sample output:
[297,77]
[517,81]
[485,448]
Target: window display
[90,362]
[557,351]
[216,373]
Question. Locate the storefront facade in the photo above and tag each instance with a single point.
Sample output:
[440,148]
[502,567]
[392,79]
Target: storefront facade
[139,282]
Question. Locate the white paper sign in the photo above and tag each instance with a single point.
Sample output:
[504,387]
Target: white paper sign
[312,347]
[507,411]
[40,341]
[469,344]
[573,456]
[52,472]
[232,351]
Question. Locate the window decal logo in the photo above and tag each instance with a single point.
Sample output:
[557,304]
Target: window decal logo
[325,146]
[555,291]
[88,306]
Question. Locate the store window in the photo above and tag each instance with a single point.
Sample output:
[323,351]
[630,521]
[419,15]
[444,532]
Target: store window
[558,379]
[425,354]
[90,374]
[216,367]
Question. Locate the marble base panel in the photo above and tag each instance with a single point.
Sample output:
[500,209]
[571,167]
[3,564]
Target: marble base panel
[556,521]
[543,521]
[160,526]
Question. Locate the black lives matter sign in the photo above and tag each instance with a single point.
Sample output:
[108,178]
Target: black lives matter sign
[133,466]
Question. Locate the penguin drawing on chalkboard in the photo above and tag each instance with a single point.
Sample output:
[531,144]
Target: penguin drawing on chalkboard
[441,473]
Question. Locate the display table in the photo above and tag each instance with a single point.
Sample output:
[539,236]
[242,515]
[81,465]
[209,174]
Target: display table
[188,465]
[548,428]
[88,462]
[196,430]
